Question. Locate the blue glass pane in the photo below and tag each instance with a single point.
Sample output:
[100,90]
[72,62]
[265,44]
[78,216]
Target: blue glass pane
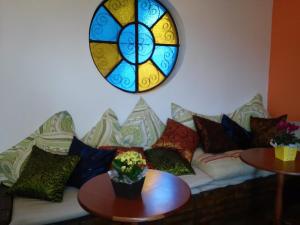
[146,44]
[127,43]
[149,12]
[123,77]
[104,27]
[165,58]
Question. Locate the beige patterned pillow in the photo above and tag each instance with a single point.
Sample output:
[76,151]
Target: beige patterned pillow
[241,115]
[54,136]
[185,116]
[106,132]
[143,127]
[254,108]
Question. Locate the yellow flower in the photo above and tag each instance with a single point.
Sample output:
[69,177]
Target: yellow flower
[123,168]
[129,159]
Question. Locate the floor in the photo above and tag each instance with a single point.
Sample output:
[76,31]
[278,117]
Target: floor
[291,217]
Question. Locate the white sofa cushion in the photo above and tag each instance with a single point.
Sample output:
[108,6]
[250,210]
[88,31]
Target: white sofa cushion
[198,179]
[230,181]
[28,211]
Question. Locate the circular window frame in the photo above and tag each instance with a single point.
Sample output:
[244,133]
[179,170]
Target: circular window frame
[136,22]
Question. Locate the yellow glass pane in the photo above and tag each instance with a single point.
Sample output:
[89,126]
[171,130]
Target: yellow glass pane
[149,76]
[165,31]
[123,10]
[106,56]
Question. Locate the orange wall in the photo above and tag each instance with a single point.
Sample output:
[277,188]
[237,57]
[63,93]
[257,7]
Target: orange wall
[284,79]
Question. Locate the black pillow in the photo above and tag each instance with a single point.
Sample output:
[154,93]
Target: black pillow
[238,134]
[264,129]
[212,136]
[169,160]
[92,163]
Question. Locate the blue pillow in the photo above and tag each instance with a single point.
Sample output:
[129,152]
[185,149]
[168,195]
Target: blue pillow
[237,133]
[92,162]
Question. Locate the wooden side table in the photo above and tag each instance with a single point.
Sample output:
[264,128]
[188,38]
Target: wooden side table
[162,194]
[264,158]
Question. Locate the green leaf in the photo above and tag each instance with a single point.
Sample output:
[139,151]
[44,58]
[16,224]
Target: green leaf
[117,164]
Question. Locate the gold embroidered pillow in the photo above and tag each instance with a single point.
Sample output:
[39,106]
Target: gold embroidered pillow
[45,175]
[168,160]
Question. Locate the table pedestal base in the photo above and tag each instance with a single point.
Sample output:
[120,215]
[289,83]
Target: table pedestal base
[278,201]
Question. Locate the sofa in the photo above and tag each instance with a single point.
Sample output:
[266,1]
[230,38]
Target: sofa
[222,187]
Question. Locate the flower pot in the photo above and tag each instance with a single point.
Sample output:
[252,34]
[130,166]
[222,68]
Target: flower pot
[286,153]
[128,190]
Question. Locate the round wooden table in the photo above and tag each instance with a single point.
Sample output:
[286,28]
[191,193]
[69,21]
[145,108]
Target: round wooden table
[264,158]
[162,194]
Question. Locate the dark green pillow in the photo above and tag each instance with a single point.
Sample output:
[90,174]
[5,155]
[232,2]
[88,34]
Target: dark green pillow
[45,175]
[168,160]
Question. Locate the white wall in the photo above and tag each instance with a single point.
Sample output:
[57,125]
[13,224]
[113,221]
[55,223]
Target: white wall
[45,63]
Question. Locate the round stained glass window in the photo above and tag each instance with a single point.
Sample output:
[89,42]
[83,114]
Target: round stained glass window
[134,43]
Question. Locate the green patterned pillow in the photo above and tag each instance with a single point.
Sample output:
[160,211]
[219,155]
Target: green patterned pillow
[254,108]
[168,160]
[185,116]
[55,136]
[105,133]
[45,175]
[142,128]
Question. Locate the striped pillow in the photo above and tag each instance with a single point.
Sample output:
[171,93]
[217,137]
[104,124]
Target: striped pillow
[223,166]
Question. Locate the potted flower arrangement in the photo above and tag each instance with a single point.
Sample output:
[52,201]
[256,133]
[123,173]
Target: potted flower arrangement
[286,144]
[128,174]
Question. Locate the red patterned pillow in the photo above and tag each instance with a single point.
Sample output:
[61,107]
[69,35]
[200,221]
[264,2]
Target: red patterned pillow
[179,137]
[264,130]
[213,136]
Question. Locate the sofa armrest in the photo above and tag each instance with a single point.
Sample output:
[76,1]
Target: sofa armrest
[6,202]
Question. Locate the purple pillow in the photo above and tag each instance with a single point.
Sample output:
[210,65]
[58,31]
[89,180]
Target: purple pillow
[238,134]
[92,162]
